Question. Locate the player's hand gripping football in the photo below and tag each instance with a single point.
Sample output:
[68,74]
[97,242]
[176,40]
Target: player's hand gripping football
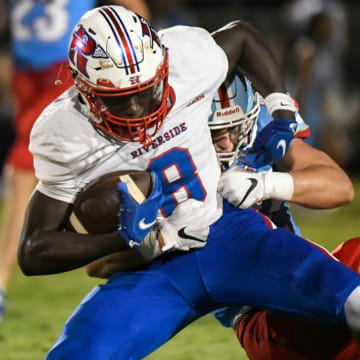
[136,220]
[242,188]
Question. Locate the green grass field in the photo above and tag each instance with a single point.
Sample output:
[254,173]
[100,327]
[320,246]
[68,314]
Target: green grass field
[39,306]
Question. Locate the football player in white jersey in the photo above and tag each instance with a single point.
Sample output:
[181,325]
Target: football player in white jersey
[141,101]
[44,26]
[239,118]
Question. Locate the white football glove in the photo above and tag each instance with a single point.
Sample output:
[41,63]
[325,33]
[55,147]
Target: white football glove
[149,248]
[244,189]
[186,228]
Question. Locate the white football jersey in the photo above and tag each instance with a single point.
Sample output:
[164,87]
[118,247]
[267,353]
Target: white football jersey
[69,153]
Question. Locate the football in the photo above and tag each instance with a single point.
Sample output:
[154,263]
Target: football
[96,208]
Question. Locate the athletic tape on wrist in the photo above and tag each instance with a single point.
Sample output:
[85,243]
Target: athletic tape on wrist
[279,186]
[279,101]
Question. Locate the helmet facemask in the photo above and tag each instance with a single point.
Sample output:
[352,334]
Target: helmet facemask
[128,63]
[235,110]
[129,129]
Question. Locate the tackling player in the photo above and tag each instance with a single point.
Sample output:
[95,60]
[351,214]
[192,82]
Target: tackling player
[239,122]
[141,101]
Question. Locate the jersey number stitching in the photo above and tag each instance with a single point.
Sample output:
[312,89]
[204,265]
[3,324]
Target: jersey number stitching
[179,178]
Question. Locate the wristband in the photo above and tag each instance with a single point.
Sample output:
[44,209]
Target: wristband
[279,101]
[278,185]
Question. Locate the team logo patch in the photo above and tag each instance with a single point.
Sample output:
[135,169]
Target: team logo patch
[82,46]
[134,80]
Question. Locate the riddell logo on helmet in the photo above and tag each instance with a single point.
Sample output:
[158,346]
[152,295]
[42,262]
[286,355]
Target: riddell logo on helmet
[228,112]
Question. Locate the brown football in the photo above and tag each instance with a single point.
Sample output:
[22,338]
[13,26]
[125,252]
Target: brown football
[96,208]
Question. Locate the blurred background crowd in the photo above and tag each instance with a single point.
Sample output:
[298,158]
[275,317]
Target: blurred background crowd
[314,41]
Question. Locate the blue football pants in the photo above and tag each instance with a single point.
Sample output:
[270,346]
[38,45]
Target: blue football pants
[244,262]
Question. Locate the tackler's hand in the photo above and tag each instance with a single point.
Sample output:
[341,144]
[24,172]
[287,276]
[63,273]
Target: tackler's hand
[136,220]
[272,142]
[242,188]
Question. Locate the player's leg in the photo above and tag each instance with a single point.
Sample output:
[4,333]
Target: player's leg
[271,336]
[261,341]
[33,93]
[275,336]
[128,318]
[348,253]
[13,212]
[273,269]
[19,184]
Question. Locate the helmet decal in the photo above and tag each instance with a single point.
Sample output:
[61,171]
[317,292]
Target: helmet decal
[122,38]
[148,30]
[82,45]
[224,97]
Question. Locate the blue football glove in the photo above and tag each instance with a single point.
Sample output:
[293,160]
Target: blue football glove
[271,143]
[136,220]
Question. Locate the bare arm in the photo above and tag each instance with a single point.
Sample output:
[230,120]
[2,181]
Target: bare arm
[318,181]
[46,249]
[245,47]
[111,264]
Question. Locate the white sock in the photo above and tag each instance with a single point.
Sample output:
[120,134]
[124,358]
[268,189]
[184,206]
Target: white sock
[352,309]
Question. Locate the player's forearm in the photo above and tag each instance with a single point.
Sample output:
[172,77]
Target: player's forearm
[321,187]
[245,47]
[318,182]
[55,252]
[111,264]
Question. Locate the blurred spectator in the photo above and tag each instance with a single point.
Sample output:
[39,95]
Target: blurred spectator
[39,32]
[7,134]
[288,25]
[349,107]
[315,74]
